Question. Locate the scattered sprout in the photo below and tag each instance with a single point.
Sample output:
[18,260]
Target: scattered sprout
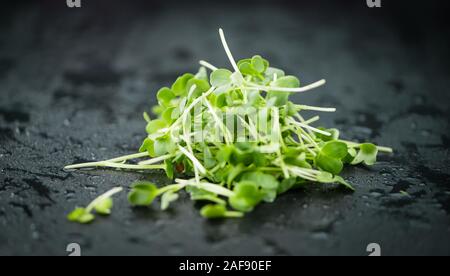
[102,206]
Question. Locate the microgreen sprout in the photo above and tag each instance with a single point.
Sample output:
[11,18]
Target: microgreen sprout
[237,138]
[102,206]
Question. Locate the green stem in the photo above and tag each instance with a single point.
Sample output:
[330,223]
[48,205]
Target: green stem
[174,187]
[234,214]
[357,145]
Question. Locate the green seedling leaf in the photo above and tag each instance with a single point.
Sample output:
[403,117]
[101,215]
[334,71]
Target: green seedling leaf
[146,117]
[341,181]
[351,153]
[247,196]
[163,146]
[224,154]
[221,77]
[367,154]
[81,216]
[179,86]
[281,98]
[165,96]
[325,177]
[246,68]
[213,211]
[104,206]
[142,194]
[167,115]
[169,169]
[330,157]
[335,149]
[155,125]
[147,145]
[168,198]
[201,86]
[286,185]
[258,64]
[329,164]
[265,181]
[202,74]
[234,172]
[271,71]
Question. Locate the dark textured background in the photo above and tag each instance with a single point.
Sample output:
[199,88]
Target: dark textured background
[74,83]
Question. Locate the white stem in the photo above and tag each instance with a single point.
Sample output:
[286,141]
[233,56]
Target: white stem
[225,130]
[129,167]
[114,160]
[251,129]
[187,138]
[191,91]
[214,188]
[189,108]
[194,160]
[285,89]
[311,120]
[208,65]
[128,157]
[104,196]
[227,50]
[356,145]
[310,128]
[316,108]
[155,160]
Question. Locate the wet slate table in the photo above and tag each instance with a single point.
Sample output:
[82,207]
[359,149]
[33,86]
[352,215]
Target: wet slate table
[74,84]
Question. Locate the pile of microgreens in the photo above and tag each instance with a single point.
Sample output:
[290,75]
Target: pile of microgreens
[232,176]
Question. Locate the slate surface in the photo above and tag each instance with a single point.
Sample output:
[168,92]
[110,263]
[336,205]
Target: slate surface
[74,84]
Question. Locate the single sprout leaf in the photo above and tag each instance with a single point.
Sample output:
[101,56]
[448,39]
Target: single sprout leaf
[81,216]
[179,86]
[330,157]
[286,82]
[335,149]
[265,181]
[202,74]
[155,125]
[367,154]
[104,206]
[221,77]
[142,194]
[168,198]
[258,64]
[246,196]
[213,211]
[271,72]
[169,169]
[165,95]
[201,86]
[164,145]
[325,177]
